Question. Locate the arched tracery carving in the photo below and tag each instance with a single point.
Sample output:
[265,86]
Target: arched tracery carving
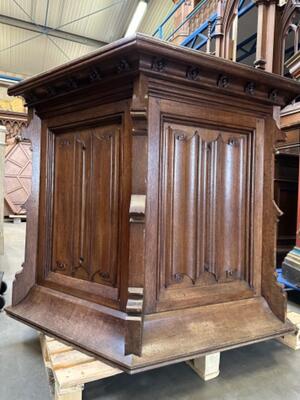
[238,43]
[287,38]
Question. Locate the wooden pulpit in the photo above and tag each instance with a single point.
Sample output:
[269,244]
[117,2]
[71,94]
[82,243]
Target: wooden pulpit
[151,223]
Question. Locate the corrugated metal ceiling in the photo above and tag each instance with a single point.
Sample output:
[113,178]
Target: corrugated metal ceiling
[27,53]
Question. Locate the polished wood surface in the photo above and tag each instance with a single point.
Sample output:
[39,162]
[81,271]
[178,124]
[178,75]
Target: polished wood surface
[152,222]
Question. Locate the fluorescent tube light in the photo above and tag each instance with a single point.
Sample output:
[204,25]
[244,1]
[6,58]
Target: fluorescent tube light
[137,18]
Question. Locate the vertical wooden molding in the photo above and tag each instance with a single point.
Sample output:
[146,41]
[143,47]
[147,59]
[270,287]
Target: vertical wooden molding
[265,34]
[134,306]
[137,211]
[271,289]
[219,30]
[26,278]
[134,321]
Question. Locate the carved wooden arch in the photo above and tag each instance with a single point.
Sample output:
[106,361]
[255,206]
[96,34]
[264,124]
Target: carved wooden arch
[14,122]
[229,13]
[283,26]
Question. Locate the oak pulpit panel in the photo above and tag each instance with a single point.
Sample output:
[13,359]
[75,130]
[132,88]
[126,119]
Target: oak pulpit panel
[86,204]
[204,206]
[151,223]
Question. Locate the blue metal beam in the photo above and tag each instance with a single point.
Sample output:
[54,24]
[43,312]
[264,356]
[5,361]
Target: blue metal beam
[244,10]
[10,78]
[247,53]
[199,32]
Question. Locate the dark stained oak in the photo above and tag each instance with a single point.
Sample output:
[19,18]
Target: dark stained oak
[151,224]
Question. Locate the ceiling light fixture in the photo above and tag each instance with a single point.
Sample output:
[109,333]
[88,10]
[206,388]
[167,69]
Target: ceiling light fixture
[137,18]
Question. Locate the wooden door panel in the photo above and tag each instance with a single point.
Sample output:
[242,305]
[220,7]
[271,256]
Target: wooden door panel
[86,198]
[204,207]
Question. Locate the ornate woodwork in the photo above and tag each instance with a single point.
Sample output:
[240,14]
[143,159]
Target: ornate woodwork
[151,223]
[17,176]
[203,181]
[284,24]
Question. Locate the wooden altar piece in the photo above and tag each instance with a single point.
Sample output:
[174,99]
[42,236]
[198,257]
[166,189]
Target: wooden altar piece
[151,221]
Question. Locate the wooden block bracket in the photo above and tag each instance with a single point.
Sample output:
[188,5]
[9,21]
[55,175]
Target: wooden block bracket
[207,367]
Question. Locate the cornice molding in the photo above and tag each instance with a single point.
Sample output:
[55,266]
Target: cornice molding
[119,62]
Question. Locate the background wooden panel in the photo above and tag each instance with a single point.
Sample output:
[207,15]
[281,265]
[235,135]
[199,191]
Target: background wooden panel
[17,179]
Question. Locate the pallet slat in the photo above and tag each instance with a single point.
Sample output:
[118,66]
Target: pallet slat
[69,359]
[55,347]
[71,369]
[83,373]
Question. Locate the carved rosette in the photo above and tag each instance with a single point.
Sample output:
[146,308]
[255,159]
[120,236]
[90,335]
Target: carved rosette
[250,88]
[159,64]
[223,81]
[192,73]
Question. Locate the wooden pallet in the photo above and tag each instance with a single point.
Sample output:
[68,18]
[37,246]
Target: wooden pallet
[292,341]
[69,369]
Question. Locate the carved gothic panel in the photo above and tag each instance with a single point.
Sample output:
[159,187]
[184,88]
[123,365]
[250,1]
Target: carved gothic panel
[204,206]
[17,176]
[86,197]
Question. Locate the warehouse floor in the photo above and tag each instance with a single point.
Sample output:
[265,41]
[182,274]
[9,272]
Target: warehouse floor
[265,370]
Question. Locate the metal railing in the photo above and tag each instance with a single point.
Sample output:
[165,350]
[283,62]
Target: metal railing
[200,36]
[165,31]
[160,30]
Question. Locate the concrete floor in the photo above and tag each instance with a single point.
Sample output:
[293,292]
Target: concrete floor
[267,370]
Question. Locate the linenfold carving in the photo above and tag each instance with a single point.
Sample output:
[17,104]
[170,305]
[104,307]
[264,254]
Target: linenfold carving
[197,205]
[94,168]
